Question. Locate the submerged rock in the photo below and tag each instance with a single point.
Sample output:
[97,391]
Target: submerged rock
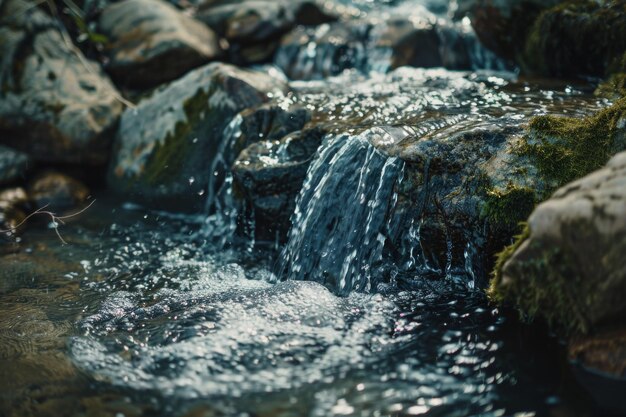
[56,191]
[55,105]
[571,268]
[165,147]
[151,42]
[13,165]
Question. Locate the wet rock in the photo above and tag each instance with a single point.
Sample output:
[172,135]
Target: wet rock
[55,105]
[270,122]
[166,147]
[571,268]
[253,28]
[452,212]
[56,191]
[269,175]
[578,39]
[503,25]
[313,53]
[151,42]
[13,165]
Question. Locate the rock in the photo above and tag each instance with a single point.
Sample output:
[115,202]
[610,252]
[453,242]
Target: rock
[604,352]
[578,39]
[413,42]
[12,202]
[268,175]
[313,53]
[253,28]
[16,197]
[152,42]
[13,165]
[56,191]
[55,105]
[571,269]
[166,146]
[503,25]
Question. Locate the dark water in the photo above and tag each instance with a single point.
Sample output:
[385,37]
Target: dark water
[138,316]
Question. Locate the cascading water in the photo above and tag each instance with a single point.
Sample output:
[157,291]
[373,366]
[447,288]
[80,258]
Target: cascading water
[338,231]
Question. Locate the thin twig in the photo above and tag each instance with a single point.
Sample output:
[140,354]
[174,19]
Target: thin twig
[56,220]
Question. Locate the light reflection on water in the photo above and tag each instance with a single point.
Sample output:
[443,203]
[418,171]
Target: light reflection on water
[160,320]
[139,307]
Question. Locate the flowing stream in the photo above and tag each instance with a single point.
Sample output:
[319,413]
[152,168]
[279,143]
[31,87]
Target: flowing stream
[148,313]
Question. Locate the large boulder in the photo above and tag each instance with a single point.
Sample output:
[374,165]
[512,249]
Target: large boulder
[578,39]
[54,104]
[503,25]
[166,146]
[151,42]
[571,268]
[555,37]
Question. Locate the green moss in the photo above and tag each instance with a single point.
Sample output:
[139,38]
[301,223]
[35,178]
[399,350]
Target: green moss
[494,291]
[543,286]
[565,149]
[169,157]
[510,206]
[614,87]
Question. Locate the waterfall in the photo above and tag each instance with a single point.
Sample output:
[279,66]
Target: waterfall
[341,215]
[223,209]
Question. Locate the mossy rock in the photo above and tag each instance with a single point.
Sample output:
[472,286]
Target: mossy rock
[165,147]
[565,149]
[613,88]
[568,267]
[577,38]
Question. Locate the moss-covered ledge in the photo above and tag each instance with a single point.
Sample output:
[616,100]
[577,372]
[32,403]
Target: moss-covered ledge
[563,150]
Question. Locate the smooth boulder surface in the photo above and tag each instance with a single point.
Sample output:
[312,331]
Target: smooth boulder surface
[152,42]
[571,270]
[13,165]
[166,146]
[55,105]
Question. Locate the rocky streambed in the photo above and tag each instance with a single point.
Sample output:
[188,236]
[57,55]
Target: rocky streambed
[312,208]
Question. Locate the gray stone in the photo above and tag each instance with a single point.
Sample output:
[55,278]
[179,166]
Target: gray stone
[269,175]
[165,147]
[152,42]
[54,104]
[571,269]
